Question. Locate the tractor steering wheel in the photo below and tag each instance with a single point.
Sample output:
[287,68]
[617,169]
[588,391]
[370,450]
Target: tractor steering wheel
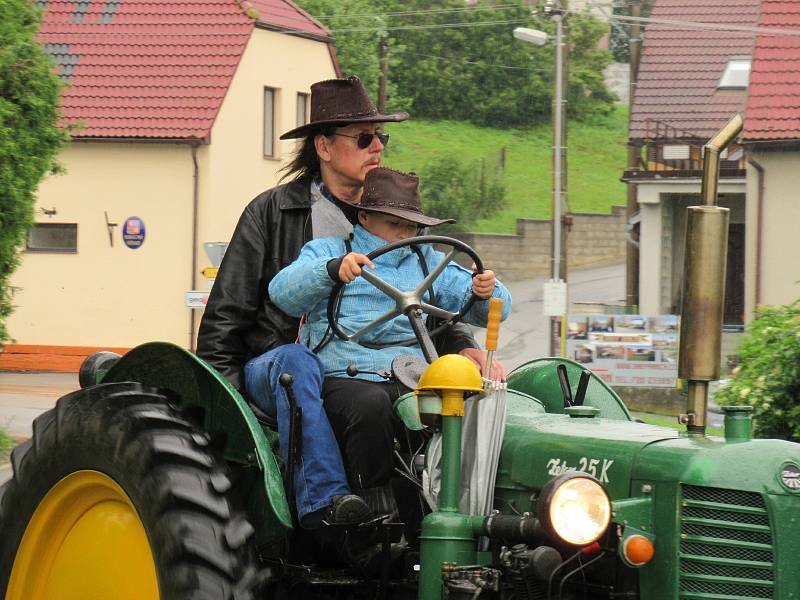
[410,303]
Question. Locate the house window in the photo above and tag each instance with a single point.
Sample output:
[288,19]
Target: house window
[53,237]
[269,122]
[302,109]
[736,75]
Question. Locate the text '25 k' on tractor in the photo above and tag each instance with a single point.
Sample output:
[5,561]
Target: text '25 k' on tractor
[157,480]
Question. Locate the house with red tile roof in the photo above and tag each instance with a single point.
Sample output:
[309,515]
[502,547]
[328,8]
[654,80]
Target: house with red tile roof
[175,108]
[772,137]
[693,77]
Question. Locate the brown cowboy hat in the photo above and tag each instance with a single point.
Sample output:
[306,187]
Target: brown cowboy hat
[340,102]
[394,193]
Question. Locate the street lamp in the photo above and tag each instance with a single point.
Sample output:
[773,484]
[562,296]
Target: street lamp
[555,290]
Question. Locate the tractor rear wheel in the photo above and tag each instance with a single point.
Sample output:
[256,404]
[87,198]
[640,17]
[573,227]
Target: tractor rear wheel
[119,494]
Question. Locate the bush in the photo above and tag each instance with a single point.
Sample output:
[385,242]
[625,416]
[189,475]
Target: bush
[29,138]
[465,191]
[768,375]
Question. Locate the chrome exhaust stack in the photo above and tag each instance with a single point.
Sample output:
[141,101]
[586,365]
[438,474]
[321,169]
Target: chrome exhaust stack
[704,285]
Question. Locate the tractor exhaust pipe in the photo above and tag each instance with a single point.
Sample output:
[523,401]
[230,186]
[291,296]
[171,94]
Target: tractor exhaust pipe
[704,285]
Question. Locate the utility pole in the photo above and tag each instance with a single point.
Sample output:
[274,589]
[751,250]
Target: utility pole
[383,50]
[634,151]
[559,233]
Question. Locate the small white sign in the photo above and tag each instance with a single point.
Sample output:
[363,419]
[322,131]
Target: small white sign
[196,299]
[555,298]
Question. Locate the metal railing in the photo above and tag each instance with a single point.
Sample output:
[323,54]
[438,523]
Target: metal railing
[669,151]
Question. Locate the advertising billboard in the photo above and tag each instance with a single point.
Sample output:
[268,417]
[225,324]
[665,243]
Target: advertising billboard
[626,350]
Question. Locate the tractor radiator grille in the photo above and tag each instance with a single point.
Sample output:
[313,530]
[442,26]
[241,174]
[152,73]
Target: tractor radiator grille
[726,545]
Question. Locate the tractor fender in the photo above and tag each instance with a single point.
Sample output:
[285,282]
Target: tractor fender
[226,413]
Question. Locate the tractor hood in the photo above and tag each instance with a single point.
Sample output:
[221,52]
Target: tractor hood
[762,466]
[539,446]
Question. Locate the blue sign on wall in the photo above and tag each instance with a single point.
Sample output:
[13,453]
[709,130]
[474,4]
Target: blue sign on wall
[133,232]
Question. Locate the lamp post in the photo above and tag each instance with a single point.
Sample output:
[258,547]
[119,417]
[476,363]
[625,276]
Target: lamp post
[555,290]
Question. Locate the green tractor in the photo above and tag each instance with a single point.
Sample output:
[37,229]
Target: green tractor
[158,480]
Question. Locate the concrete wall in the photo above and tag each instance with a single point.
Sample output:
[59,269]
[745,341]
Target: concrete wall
[593,239]
[779,268]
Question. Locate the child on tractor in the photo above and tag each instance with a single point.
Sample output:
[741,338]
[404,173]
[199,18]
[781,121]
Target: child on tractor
[359,406]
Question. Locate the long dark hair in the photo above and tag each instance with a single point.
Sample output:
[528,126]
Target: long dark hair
[305,162]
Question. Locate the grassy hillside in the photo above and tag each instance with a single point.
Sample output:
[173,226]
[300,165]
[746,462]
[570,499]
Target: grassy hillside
[596,159]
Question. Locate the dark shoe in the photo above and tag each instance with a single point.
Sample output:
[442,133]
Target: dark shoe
[344,511]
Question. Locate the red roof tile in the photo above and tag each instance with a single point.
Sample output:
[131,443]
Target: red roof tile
[286,15]
[773,106]
[152,68]
[681,66]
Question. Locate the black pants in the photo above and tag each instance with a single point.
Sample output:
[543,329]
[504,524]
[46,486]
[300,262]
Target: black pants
[363,421]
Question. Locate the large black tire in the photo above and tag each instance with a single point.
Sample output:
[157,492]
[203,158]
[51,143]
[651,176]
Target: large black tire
[178,482]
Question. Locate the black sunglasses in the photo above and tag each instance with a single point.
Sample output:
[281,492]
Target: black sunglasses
[364,139]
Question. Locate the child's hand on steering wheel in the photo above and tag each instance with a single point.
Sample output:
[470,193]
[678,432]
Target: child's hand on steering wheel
[351,266]
[483,283]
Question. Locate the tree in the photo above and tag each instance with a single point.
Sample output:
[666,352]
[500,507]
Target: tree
[357,36]
[454,62]
[620,33]
[29,136]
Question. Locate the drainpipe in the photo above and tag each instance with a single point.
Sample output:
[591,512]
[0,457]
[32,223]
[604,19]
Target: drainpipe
[759,217]
[195,205]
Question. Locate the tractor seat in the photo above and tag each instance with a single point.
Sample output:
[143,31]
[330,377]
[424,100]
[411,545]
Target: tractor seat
[263,418]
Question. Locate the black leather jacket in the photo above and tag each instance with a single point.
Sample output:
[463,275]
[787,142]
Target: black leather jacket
[240,322]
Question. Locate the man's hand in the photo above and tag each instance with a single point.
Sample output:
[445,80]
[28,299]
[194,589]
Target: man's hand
[351,266]
[483,284]
[479,358]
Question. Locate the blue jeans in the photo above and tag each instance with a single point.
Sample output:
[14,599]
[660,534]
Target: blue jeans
[320,475]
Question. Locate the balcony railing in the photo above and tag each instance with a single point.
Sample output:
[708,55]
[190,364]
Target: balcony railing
[671,152]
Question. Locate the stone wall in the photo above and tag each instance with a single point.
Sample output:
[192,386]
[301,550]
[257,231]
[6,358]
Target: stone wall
[592,240]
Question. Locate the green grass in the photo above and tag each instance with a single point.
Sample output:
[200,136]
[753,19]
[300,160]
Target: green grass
[6,444]
[596,158]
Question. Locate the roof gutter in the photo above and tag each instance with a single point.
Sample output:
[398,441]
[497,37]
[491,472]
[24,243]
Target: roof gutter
[759,224]
[141,140]
[195,211]
[317,37]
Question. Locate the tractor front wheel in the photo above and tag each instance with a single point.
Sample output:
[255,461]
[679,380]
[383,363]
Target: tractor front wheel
[119,494]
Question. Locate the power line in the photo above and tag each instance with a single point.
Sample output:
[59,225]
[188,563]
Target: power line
[418,12]
[428,26]
[471,62]
[728,27]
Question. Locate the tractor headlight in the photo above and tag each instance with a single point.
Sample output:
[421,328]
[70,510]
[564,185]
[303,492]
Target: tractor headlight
[575,508]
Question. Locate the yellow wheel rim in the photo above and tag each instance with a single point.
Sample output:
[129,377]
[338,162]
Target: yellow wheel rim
[85,541]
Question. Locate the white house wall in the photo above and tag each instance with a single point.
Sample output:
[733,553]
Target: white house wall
[780,230]
[661,237]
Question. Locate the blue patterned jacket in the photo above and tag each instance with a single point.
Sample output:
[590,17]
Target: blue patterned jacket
[304,286]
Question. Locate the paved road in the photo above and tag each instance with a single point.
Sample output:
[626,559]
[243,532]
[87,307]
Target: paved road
[524,334]
[24,396]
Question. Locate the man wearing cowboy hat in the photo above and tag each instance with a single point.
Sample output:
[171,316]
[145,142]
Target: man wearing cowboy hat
[359,403]
[247,338]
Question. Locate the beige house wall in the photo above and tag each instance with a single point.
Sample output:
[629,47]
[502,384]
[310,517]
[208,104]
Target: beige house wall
[119,297]
[105,295]
[235,169]
[779,268]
